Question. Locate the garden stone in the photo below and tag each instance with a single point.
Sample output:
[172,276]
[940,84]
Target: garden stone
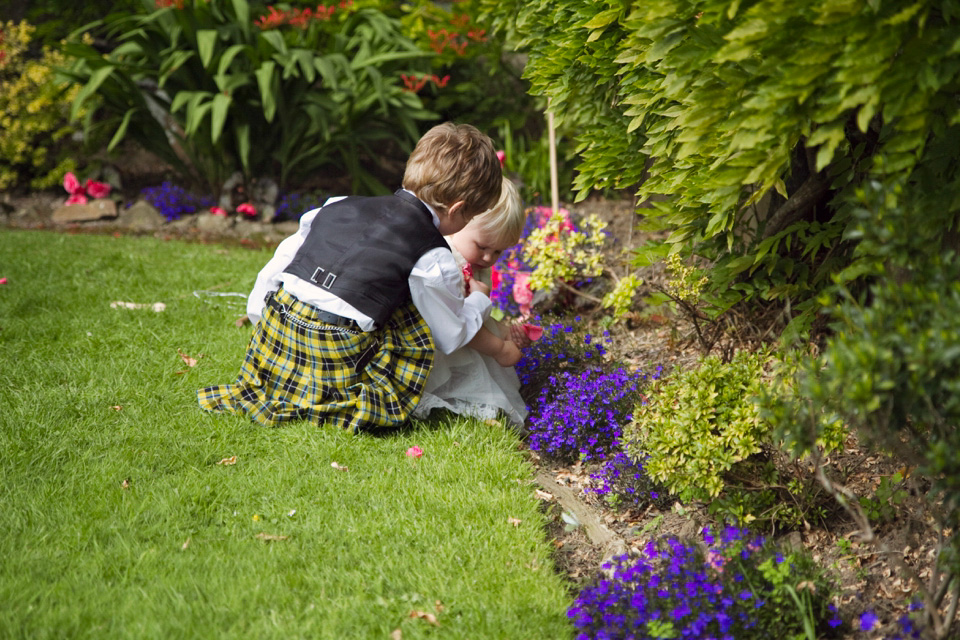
[141,216]
[248,228]
[226,191]
[93,210]
[209,223]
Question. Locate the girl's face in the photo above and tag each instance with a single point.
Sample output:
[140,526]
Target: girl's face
[478,247]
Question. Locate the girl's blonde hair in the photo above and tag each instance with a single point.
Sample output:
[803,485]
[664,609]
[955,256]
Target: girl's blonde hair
[453,162]
[503,222]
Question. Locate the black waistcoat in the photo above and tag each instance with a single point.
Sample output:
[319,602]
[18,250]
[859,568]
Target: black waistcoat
[362,250]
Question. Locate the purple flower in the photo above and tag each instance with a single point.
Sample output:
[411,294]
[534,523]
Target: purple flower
[868,621]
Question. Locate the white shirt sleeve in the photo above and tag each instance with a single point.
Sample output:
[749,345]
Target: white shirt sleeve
[435,285]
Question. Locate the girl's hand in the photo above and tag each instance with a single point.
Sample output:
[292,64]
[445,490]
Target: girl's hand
[476,285]
[519,336]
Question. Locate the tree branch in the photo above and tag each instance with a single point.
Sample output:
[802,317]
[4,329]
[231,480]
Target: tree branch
[797,205]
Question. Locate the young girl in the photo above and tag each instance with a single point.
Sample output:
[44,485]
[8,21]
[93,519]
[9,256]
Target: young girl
[350,309]
[467,381]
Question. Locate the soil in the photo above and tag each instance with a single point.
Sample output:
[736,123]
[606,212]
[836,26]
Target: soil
[867,576]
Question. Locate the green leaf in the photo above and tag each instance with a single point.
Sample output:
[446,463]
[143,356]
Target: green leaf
[206,44]
[121,131]
[265,77]
[97,78]
[218,116]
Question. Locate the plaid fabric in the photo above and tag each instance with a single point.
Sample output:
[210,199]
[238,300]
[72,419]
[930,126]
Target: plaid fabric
[298,368]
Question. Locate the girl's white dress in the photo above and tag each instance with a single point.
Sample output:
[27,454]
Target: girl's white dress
[469,383]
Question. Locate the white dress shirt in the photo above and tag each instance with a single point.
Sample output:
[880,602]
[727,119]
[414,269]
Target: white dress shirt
[435,285]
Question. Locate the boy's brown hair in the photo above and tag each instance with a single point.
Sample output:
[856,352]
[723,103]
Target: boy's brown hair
[453,162]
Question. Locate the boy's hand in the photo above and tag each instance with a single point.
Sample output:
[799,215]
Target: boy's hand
[509,354]
[476,285]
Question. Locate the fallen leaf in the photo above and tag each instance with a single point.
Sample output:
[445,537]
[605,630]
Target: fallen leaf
[514,521]
[439,606]
[543,495]
[116,407]
[493,423]
[270,537]
[228,461]
[185,544]
[190,362]
[423,615]
[396,634]
[339,467]
[126,483]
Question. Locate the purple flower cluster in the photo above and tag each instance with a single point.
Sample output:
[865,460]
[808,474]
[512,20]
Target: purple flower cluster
[625,483]
[580,414]
[173,201]
[559,350]
[292,206]
[678,590]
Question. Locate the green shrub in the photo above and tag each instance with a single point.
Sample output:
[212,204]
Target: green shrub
[699,424]
[212,88]
[748,126]
[36,139]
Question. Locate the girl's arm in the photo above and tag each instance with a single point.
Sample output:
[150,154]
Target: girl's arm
[505,352]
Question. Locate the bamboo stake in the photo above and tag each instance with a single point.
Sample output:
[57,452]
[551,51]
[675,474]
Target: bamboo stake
[554,180]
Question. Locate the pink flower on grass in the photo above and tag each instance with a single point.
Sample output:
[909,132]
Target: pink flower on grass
[247,209]
[3,281]
[414,452]
[522,293]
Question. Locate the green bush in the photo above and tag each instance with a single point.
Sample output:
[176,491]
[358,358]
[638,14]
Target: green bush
[699,424]
[36,139]
[748,126]
[212,88]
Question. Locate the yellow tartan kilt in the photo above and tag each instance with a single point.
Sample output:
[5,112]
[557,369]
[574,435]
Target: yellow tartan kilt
[298,368]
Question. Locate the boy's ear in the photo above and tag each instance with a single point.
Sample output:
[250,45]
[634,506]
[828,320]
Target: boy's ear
[457,207]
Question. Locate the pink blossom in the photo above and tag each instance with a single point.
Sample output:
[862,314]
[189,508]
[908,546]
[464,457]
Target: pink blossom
[414,452]
[502,157]
[71,184]
[218,211]
[494,278]
[77,198]
[522,293]
[467,271]
[3,281]
[247,209]
[97,189]
[533,331]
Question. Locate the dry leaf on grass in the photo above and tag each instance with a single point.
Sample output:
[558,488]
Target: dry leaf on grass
[190,361]
[270,537]
[396,634]
[116,407]
[125,484]
[423,615]
[514,521]
[185,544]
[339,467]
[543,495]
[228,461]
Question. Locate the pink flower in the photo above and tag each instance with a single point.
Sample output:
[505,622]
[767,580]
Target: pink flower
[522,293]
[467,271]
[77,198]
[502,157]
[97,189]
[247,209]
[414,452]
[494,278]
[3,281]
[71,184]
[217,211]
[533,331]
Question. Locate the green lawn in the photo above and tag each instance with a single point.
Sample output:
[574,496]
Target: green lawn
[118,522]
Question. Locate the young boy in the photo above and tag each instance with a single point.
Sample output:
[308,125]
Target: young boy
[350,309]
